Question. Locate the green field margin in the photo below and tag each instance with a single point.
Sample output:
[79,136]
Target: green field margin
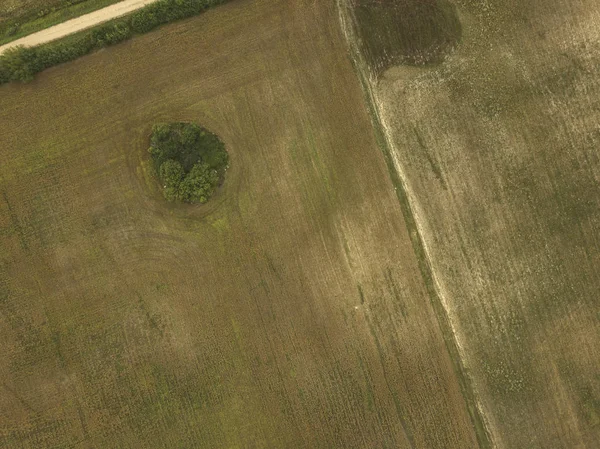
[23,63]
[37,20]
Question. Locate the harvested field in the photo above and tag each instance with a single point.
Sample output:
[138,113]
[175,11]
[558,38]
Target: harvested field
[289,312]
[498,151]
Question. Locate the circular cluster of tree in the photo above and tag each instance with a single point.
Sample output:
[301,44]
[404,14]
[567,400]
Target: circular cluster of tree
[189,160]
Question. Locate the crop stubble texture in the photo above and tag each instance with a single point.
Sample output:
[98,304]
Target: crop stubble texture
[289,312]
[498,148]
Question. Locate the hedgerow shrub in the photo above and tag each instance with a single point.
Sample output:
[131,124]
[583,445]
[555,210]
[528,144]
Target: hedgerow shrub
[22,63]
[189,160]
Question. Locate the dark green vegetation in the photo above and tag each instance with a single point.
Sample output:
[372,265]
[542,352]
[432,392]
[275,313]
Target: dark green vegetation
[189,160]
[414,32]
[36,17]
[288,312]
[21,64]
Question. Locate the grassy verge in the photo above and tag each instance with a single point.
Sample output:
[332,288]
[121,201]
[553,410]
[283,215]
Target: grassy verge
[45,17]
[23,63]
[364,72]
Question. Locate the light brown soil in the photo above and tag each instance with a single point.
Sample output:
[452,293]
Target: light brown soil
[498,150]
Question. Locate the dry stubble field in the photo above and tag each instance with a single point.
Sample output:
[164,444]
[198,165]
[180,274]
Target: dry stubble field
[498,148]
[290,312]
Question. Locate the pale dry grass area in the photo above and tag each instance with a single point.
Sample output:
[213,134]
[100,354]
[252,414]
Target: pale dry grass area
[289,312]
[498,148]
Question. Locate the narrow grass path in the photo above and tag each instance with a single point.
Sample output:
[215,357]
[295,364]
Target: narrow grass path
[78,24]
[347,22]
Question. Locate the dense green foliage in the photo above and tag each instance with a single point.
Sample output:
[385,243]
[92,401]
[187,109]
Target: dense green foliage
[189,160]
[21,64]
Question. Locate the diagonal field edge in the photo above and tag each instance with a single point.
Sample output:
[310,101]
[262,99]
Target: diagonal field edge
[482,433]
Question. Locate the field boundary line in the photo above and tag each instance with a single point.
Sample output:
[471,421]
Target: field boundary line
[77,24]
[398,178]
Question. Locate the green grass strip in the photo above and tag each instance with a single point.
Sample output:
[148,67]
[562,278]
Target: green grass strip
[23,63]
[40,19]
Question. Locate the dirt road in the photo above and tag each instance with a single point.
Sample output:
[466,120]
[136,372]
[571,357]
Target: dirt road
[78,24]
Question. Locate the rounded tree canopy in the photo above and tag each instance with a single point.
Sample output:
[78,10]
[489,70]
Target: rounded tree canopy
[189,160]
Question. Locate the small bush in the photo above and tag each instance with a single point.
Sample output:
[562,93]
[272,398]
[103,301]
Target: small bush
[110,34]
[189,160]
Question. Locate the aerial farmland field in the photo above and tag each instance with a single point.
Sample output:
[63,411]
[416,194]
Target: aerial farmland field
[398,246]
[289,311]
[497,147]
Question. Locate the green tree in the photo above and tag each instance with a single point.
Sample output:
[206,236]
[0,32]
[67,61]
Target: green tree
[171,174]
[190,161]
[199,184]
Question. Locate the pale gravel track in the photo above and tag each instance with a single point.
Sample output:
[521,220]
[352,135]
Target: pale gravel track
[78,24]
